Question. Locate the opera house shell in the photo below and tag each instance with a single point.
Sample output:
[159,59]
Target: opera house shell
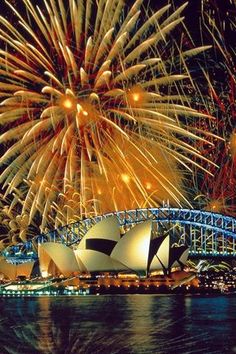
[13,271]
[104,249]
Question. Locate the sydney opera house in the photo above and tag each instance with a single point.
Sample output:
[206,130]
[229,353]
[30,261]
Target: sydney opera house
[104,249]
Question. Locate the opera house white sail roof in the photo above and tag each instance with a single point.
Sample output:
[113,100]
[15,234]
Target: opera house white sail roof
[56,254]
[133,248]
[104,249]
[12,271]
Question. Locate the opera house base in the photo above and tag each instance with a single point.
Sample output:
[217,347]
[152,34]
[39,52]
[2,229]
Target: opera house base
[179,281]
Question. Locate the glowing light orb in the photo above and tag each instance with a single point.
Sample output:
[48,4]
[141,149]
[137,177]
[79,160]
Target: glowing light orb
[67,103]
[148,186]
[125,178]
[216,206]
[137,96]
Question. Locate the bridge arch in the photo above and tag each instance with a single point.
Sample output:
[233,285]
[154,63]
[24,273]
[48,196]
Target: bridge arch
[207,234]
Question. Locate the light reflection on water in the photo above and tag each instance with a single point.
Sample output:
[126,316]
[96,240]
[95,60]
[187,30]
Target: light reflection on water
[118,324]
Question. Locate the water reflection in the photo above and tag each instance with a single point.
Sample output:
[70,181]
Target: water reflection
[118,324]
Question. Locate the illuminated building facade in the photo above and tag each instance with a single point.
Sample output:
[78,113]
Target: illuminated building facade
[104,249]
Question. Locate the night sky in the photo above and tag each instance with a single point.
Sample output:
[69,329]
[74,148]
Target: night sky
[224,14]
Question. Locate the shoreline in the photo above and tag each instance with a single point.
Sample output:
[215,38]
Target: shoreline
[28,295]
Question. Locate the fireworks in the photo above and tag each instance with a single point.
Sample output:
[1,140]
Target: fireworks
[217,194]
[91,110]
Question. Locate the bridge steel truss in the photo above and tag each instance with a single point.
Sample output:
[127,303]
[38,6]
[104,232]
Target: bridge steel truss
[207,234]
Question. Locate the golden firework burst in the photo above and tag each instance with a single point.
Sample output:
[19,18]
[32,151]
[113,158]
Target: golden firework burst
[90,121]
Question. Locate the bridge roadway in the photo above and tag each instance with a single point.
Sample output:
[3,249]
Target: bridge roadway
[207,234]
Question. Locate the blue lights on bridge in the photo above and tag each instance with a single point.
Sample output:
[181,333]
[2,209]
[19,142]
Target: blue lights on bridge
[207,234]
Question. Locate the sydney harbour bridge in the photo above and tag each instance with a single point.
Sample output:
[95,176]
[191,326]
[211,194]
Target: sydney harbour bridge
[208,234]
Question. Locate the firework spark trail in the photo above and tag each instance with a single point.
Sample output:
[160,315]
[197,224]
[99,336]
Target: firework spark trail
[9,223]
[90,112]
[217,194]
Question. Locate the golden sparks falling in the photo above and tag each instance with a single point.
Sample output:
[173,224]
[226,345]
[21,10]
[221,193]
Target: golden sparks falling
[89,121]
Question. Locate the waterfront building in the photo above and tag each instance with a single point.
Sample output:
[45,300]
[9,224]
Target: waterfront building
[104,249]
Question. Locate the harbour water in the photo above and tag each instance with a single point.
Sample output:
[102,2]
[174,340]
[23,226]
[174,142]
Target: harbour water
[125,324]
